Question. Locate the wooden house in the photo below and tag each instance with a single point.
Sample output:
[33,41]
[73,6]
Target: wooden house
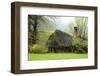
[59,42]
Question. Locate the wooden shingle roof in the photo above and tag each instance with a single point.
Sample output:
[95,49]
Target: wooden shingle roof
[59,39]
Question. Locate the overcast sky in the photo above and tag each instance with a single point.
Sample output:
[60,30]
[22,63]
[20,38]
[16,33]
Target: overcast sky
[62,22]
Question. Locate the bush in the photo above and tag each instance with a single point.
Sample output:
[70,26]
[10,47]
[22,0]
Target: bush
[85,45]
[76,43]
[79,45]
[36,48]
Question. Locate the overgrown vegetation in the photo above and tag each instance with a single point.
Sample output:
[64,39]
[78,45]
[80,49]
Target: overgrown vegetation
[36,48]
[40,29]
[80,45]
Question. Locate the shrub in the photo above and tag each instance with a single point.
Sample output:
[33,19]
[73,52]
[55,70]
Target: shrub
[76,43]
[84,45]
[79,45]
[36,48]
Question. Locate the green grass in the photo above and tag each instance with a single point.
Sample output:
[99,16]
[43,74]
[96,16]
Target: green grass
[55,56]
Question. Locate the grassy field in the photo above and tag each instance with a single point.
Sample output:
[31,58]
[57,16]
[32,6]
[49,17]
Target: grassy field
[55,56]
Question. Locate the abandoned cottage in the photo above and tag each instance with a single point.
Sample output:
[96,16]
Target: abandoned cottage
[59,42]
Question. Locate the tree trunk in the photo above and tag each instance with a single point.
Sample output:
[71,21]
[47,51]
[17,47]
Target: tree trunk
[35,29]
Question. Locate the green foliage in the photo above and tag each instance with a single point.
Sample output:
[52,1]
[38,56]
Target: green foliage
[36,48]
[37,23]
[76,43]
[85,45]
[43,37]
[40,46]
[80,44]
[37,26]
[41,27]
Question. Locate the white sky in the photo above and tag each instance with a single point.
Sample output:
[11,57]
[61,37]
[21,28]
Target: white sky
[62,22]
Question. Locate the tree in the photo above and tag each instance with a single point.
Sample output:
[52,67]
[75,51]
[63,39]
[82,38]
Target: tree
[32,27]
[81,24]
[79,43]
[38,27]
[37,23]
